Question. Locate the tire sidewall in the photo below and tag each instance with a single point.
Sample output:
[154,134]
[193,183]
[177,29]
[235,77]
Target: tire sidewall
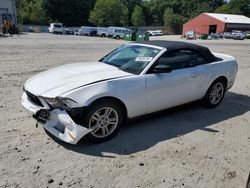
[207,101]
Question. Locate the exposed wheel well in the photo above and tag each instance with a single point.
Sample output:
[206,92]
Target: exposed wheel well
[224,79]
[113,99]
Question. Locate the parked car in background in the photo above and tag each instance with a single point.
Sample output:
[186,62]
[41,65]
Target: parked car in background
[111,31]
[68,31]
[155,32]
[215,36]
[102,31]
[190,35]
[238,35]
[93,100]
[31,29]
[56,28]
[119,33]
[248,34]
[88,31]
[227,35]
[77,31]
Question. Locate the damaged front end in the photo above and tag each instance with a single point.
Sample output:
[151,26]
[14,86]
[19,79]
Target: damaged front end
[62,122]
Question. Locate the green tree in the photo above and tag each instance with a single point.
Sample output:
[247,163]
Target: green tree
[130,4]
[173,22]
[31,12]
[109,13]
[236,7]
[138,17]
[224,9]
[184,8]
[68,12]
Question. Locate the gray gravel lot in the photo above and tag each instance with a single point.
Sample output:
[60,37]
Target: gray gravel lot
[185,147]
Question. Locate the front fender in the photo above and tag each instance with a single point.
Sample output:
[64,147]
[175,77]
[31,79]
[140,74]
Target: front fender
[129,90]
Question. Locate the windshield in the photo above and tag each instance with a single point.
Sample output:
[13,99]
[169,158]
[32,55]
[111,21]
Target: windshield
[131,58]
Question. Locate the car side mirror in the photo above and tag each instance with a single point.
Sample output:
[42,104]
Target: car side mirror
[162,69]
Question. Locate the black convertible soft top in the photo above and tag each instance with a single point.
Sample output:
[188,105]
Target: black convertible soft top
[177,45]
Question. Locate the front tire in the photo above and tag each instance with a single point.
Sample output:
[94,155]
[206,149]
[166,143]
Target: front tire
[104,118]
[215,94]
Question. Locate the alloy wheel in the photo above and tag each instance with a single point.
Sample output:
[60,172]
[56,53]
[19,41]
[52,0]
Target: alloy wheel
[216,93]
[103,122]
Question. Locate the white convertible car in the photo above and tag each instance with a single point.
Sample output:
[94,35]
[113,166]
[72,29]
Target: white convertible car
[93,100]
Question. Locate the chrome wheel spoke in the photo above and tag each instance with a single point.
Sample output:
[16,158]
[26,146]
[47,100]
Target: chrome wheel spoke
[96,117]
[103,131]
[106,128]
[94,127]
[94,131]
[113,120]
[107,112]
[213,100]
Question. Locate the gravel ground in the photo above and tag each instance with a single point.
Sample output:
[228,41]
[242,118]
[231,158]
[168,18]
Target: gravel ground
[189,146]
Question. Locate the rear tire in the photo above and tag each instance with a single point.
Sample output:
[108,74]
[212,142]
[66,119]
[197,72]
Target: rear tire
[105,118]
[215,94]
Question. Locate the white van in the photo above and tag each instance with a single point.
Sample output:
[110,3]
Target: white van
[111,31]
[87,31]
[56,28]
[119,32]
[102,31]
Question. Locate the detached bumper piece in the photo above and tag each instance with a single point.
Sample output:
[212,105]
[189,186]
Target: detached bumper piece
[57,122]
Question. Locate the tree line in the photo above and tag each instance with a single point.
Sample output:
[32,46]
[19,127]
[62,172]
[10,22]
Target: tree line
[170,13]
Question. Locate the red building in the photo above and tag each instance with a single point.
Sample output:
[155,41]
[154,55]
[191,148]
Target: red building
[207,23]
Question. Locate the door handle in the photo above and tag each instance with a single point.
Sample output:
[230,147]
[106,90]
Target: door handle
[194,75]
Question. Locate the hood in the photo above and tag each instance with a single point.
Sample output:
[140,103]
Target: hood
[59,80]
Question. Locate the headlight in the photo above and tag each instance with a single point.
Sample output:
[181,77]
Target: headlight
[51,101]
[61,102]
[66,102]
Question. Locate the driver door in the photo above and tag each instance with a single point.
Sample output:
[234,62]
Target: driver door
[165,90]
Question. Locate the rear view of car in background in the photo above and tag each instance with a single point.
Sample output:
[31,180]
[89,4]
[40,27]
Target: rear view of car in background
[56,28]
[77,31]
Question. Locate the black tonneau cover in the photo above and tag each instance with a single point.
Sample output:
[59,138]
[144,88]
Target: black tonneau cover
[177,45]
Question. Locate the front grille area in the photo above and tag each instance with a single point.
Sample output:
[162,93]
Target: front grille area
[33,98]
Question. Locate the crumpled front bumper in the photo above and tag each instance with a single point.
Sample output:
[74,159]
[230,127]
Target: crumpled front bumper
[59,123]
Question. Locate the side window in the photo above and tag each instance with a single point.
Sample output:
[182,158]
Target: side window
[180,59]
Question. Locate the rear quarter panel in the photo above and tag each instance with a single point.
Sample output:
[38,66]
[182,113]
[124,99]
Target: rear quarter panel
[226,67]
